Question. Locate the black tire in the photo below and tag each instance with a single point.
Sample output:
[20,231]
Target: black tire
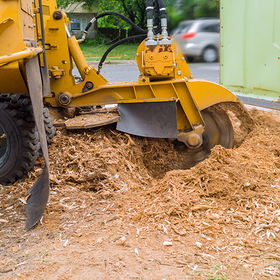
[210,54]
[48,123]
[19,143]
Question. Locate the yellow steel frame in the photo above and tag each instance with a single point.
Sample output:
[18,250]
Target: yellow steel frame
[26,53]
[191,95]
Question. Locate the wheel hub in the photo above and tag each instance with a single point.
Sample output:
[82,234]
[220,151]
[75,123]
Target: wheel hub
[218,130]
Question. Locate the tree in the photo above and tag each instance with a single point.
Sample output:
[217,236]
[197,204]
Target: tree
[179,10]
[135,10]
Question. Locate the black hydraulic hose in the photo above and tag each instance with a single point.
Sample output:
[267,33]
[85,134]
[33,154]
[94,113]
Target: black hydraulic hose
[162,8]
[115,45]
[149,8]
[157,14]
[136,27]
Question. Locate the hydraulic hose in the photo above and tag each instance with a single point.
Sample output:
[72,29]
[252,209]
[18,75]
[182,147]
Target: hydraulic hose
[133,25]
[162,8]
[150,17]
[115,45]
[149,9]
[163,14]
[157,18]
[136,27]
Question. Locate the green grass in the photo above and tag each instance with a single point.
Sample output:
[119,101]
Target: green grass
[121,52]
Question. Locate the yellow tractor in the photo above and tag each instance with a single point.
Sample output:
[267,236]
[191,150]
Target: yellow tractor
[37,54]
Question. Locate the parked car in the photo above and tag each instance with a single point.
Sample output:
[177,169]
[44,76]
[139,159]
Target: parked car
[199,38]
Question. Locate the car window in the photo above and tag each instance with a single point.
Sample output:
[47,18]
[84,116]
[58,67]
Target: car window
[182,28]
[209,27]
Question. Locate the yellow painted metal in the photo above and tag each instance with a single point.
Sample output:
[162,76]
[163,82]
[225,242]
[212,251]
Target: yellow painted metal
[16,29]
[148,100]
[158,61]
[11,80]
[49,7]
[27,53]
[56,72]
[165,75]
[192,139]
[58,54]
[21,12]
[10,37]
[78,57]
[191,95]
[207,93]
[162,61]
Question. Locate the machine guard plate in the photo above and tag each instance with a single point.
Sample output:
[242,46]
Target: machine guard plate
[91,120]
[149,119]
[39,193]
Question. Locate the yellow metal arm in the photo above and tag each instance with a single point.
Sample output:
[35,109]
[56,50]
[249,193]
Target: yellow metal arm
[27,53]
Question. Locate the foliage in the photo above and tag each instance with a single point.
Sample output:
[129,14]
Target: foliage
[177,10]
[99,39]
[134,9]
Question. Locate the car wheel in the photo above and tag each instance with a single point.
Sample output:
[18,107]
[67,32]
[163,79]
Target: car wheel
[210,54]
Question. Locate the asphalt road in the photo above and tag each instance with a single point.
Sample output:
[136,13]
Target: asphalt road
[128,72]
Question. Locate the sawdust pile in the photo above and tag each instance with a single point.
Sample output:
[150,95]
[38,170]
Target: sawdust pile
[237,188]
[232,188]
[227,207]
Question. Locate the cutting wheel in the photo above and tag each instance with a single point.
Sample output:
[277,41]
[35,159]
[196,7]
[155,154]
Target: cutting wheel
[218,130]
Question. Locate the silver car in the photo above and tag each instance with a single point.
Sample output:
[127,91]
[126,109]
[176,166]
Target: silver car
[199,38]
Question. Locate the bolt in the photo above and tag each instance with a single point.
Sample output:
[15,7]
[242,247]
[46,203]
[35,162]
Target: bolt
[193,140]
[86,70]
[57,15]
[89,85]
[64,99]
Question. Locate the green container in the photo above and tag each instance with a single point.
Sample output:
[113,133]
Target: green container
[250,50]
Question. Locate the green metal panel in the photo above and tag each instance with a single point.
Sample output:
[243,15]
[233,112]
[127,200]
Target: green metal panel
[250,50]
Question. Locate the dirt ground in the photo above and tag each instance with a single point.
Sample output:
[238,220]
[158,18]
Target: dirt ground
[124,207]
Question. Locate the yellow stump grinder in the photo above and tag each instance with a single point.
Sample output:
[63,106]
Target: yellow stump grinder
[37,54]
